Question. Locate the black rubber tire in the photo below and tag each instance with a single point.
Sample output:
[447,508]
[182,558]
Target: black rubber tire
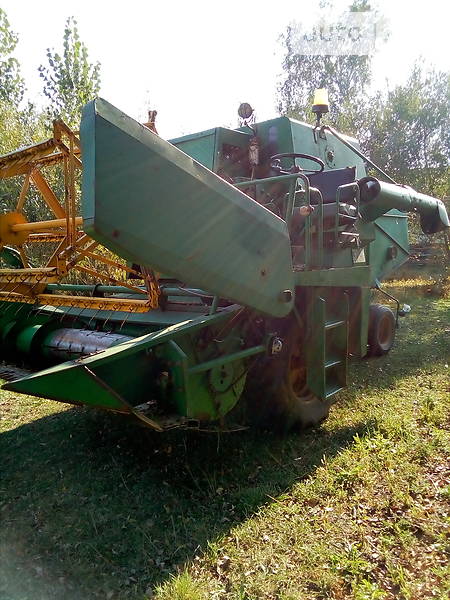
[272,399]
[381,329]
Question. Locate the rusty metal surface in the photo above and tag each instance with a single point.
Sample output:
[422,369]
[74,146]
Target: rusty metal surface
[115,304]
[23,160]
[75,251]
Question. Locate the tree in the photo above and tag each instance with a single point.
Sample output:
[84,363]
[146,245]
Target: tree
[346,76]
[70,80]
[19,125]
[405,131]
[410,137]
[11,83]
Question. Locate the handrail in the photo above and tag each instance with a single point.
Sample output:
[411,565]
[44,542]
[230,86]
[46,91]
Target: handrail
[273,179]
[292,178]
[355,187]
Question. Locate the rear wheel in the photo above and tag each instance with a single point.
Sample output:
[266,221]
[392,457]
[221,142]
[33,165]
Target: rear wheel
[381,329]
[277,392]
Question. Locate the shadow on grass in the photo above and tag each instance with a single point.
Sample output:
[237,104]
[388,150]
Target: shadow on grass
[96,505]
[93,506]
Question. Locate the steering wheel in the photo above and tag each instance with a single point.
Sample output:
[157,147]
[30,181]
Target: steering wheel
[299,155]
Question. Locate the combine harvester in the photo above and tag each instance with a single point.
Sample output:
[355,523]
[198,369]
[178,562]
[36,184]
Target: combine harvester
[231,270]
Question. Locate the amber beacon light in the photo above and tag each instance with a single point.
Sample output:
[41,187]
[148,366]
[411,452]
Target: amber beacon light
[320,103]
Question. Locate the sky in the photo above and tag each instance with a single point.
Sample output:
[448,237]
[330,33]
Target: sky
[196,61]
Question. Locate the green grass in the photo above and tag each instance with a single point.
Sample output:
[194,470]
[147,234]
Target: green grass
[95,507]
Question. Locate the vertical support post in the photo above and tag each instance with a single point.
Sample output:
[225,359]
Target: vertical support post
[66,201]
[23,193]
[290,202]
[214,304]
[320,232]
[336,217]
[72,192]
[308,232]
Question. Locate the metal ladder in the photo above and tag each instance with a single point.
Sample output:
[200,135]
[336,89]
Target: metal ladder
[327,353]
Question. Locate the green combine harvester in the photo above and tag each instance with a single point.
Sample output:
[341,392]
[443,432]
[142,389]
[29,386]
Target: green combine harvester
[226,276]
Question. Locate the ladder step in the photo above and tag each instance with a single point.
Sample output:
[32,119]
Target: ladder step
[347,216]
[332,390]
[333,324]
[332,362]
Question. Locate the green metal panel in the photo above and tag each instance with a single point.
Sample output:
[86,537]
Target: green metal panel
[154,205]
[200,146]
[288,135]
[154,319]
[359,275]
[390,248]
[276,137]
[121,376]
[210,148]
[25,338]
[67,383]
[359,301]
[333,152]
[364,330]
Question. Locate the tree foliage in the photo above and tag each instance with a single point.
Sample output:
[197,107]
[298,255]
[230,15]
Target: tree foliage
[345,76]
[70,80]
[11,82]
[403,129]
[410,136]
[20,127]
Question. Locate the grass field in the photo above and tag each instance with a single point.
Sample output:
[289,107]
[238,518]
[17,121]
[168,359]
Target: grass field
[94,507]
